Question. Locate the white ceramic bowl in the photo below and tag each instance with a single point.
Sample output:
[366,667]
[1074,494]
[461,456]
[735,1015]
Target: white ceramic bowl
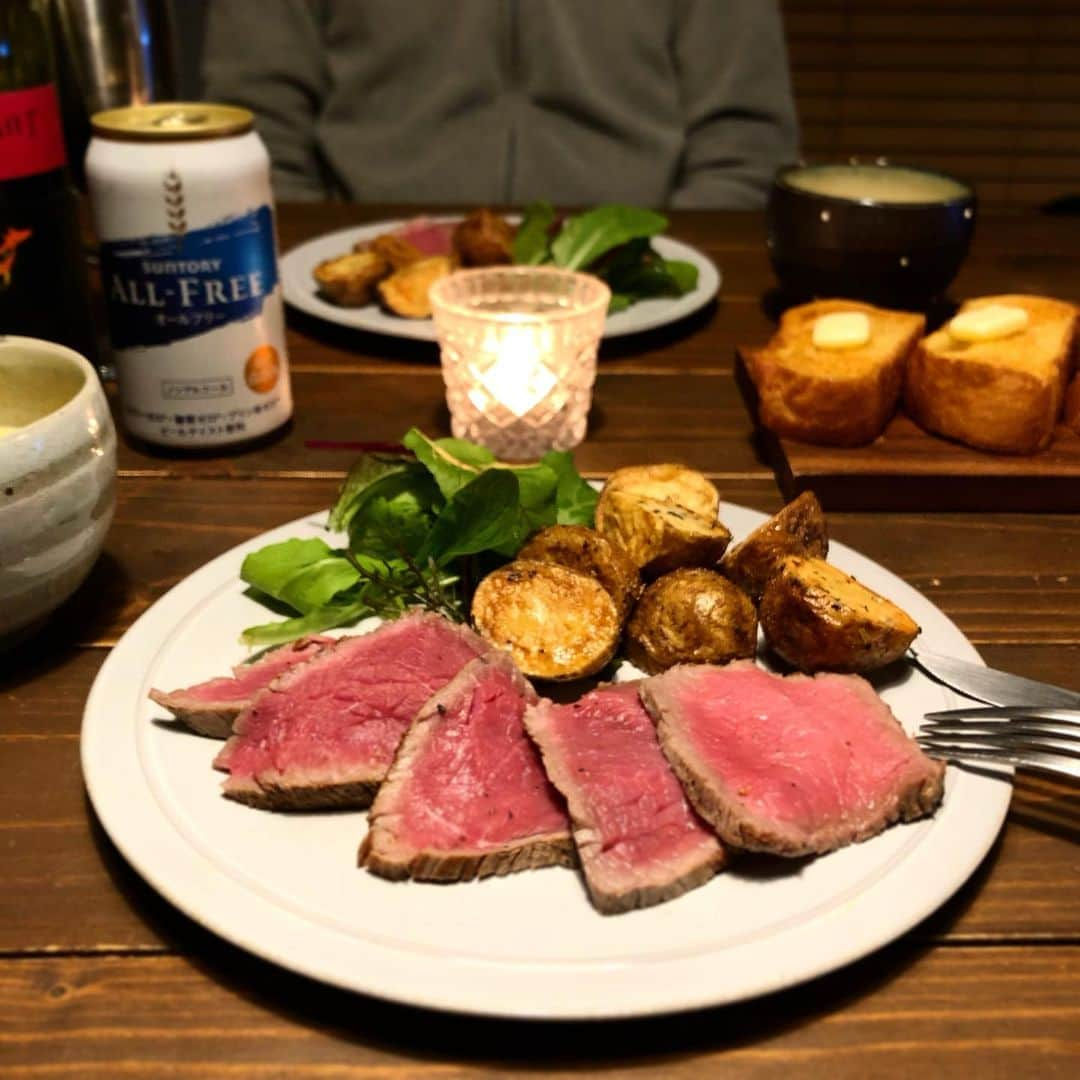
[57,479]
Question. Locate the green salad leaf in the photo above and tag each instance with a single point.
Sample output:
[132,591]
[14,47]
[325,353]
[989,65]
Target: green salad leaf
[367,469]
[485,515]
[394,514]
[575,498]
[422,528]
[532,242]
[585,237]
[613,242]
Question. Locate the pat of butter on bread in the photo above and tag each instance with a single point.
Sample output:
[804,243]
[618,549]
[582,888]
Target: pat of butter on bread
[989,323]
[832,396]
[841,330]
[1001,393]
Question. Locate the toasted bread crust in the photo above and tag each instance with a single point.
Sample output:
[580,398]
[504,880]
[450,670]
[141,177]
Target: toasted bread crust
[830,397]
[1003,395]
[1071,415]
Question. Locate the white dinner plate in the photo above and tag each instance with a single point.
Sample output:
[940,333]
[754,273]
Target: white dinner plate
[299,288]
[287,887]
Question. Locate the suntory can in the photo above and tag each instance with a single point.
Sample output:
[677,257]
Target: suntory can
[181,201]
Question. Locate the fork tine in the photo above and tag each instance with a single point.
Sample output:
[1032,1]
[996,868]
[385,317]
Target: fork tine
[1004,729]
[1008,712]
[1018,741]
[1051,764]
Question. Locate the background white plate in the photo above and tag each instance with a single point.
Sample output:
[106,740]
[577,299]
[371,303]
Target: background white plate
[299,288]
[287,887]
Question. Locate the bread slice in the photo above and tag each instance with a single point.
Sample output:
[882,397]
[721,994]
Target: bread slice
[833,397]
[1003,395]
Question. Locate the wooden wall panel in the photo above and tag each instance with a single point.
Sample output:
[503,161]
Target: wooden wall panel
[986,89]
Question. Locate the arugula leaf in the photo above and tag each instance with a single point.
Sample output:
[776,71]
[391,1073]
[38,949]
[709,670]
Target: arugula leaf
[324,618]
[393,515]
[485,515]
[683,274]
[316,585]
[270,569]
[453,463]
[532,242]
[575,499]
[365,471]
[586,237]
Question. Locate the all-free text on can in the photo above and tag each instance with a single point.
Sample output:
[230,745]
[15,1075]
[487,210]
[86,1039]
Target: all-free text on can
[182,206]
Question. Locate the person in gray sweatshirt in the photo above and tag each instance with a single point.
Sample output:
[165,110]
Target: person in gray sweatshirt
[683,103]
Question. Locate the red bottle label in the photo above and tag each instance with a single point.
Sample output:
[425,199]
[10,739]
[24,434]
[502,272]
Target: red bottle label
[31,138]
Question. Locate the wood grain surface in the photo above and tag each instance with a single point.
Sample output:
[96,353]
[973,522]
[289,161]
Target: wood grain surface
[101,977]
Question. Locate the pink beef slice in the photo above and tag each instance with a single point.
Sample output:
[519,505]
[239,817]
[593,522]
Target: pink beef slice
[430,237]
[795,766]
[467,795]
[211,708]
[637,837]
[324,734]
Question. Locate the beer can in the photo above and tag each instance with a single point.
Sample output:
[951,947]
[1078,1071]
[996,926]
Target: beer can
[182,205]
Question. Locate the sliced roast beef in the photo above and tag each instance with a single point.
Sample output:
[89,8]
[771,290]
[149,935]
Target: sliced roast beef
[324,734]
[638,840]
[211,707]
[430,237]
[794,766]
[467,795]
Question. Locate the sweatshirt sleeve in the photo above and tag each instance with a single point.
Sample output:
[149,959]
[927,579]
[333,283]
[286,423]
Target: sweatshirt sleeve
[267,56]
[732,66]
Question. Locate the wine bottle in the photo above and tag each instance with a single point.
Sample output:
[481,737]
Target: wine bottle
[43,279]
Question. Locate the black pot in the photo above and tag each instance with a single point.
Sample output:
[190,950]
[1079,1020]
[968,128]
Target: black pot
[896,254]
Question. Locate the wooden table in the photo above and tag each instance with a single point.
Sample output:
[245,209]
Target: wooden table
[100,977]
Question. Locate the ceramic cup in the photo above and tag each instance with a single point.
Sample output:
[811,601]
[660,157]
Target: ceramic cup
[57,479]
[892,235]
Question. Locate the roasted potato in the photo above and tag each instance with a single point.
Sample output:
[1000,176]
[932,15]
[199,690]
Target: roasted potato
[691,616]
[556,623]
[396,250]
[482,238]
[659,536]
[818,618]
[405,291]
[586,551]
[349,280]
[798,529]
[668,483]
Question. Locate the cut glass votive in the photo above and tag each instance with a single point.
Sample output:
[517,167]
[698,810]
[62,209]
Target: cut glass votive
[519,355]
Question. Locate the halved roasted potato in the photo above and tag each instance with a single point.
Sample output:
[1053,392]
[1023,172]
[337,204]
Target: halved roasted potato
[405,291]
[659,536]
[396,250]
[691,616]
[668,483]
[349,280]
[556,623]
[586,551]
[798,529]
[818,618]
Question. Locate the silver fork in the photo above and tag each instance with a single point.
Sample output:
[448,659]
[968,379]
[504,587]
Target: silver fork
[1043,740]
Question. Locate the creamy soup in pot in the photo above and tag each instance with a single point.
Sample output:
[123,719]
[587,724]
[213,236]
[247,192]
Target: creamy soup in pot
[876,184]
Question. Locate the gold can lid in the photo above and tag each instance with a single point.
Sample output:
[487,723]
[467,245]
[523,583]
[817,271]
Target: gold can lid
[170,121]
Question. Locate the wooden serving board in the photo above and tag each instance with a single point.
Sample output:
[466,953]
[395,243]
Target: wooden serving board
[909,469]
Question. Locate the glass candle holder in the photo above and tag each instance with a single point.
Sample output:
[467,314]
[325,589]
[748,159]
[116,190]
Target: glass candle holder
[519,355]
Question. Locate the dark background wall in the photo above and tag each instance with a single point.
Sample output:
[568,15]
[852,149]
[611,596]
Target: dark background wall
[989,90]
